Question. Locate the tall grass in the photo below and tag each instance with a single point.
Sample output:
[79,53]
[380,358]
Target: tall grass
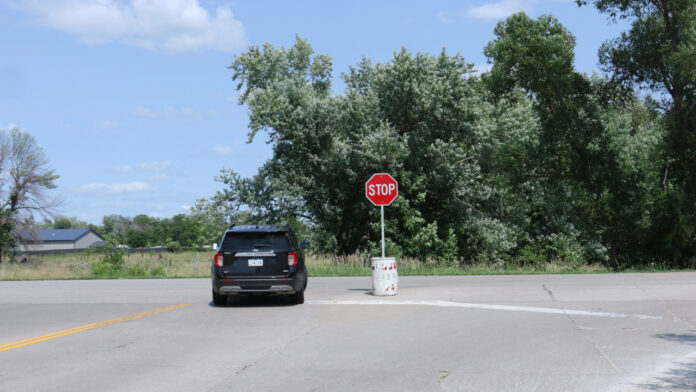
[359,265]
[193,264]
[187,264]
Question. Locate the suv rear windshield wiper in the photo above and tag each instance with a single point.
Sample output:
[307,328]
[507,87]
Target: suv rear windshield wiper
[261,246]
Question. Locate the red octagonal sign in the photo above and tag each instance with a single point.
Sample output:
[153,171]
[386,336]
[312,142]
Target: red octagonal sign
[381,189]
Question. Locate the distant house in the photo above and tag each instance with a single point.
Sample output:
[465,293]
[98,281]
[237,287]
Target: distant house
[57,239]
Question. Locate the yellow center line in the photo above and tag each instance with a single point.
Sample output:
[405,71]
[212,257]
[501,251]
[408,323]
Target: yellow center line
[42,338]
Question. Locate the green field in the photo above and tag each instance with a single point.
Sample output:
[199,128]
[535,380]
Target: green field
[192,264]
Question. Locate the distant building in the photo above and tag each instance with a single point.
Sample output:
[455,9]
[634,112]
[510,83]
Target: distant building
[57,239]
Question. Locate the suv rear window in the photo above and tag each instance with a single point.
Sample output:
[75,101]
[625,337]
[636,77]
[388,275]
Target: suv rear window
[255,241]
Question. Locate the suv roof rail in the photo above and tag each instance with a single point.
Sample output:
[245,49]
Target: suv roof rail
[259,228]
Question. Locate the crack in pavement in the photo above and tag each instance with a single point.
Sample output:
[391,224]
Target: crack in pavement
[247,366]
[262,357]
[582,331]
[445,374]
[549,292]
[669,310]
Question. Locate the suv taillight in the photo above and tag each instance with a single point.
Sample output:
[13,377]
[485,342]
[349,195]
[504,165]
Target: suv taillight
[292,259]
[218,259]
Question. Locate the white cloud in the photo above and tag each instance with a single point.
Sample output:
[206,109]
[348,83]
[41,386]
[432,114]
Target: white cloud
[172,113]
[171,26]
[146,166]
[156,166]
[143,112]
[106,124]
[444,17]
[235,147]
[499,10]
[160,178]
[222,150]
[8,127]
[98,187]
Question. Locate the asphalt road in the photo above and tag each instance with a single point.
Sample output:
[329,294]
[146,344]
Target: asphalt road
[486,333]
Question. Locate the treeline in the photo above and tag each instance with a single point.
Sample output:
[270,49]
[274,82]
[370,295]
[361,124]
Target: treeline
[191,230]
[531,162]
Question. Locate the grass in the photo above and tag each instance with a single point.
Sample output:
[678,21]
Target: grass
[135,265]
[192,264]
[357,265]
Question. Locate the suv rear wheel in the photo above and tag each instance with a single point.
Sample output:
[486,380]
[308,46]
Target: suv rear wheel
[219,300]
[298,297]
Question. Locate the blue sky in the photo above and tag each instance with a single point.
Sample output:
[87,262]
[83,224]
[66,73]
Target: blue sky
[136,111]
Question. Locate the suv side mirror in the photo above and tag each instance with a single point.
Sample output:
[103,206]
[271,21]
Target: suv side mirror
[304,244]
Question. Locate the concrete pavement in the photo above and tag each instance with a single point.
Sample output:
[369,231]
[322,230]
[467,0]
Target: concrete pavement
[621,332]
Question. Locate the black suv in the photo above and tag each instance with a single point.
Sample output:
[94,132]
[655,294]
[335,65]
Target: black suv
[261,259]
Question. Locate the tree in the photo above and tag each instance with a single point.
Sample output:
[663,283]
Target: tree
[24,183]
[658,52]
[62,223]
[589,142]
[418,117]
[537,57]
[212,217]
[534,162]
[115,227]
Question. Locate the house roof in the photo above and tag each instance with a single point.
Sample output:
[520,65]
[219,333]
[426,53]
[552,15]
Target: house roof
[52,235]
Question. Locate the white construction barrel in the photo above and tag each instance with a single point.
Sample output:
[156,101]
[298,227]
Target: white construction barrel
[385,279]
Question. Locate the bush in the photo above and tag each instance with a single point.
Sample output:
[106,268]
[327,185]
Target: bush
[594,252]
[103,269]
[157,271]
[173,246]
[111,259]
[533,255]
[562,248]
[491,240]
[136,271]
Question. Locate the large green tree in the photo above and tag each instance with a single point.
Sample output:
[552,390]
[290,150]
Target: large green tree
[659,52]
[536,162]
[585,146]
[422,118]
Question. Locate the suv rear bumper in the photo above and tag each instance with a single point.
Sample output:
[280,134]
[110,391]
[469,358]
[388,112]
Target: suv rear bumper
[232,290]
[232,286]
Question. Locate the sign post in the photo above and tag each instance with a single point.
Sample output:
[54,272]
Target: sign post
[382,213]
[381,189]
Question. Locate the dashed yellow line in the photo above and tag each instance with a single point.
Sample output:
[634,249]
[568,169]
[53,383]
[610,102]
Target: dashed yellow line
[43,338]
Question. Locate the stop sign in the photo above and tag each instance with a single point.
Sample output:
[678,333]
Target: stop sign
[381,189]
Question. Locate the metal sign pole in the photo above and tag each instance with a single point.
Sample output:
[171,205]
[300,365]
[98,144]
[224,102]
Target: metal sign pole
[382,208]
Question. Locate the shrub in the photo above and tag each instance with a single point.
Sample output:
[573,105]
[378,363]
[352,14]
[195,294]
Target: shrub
[562,248]
[157,271]
[533,255]
[111,259]
[103,269]
[491,240]
[136,271]
[173,246]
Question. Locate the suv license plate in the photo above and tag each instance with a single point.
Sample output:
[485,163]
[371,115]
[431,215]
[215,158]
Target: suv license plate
[255,262]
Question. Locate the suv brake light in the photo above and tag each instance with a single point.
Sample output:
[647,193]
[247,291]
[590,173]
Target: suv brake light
[218,259]
[292,258]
